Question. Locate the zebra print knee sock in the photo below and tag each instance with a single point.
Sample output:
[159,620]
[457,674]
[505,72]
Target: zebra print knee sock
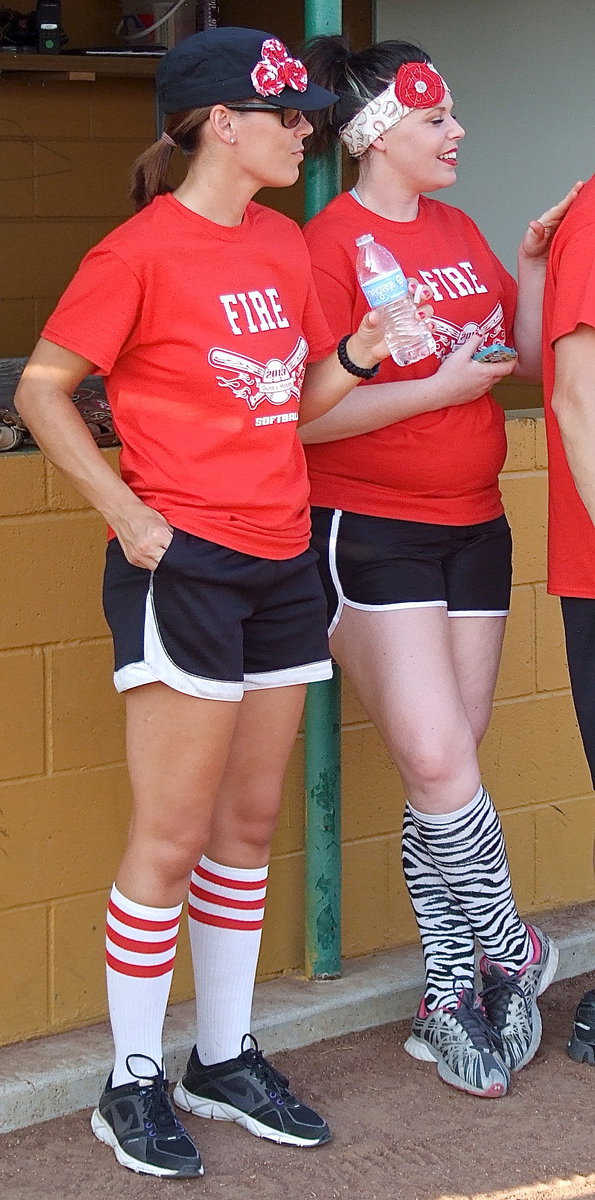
[447,940]
[467,848]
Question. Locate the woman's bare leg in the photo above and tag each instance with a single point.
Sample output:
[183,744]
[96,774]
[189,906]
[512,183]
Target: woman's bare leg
[402,666]
[177,748]
[427,681]
[250,791]
[477,640]
[228,886]
[177,751]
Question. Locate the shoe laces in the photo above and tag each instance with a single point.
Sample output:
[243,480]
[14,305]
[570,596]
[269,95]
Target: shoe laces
[475,1022]
[495,996]
[275,1083]
[159,1116]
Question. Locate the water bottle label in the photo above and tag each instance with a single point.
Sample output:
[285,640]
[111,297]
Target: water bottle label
[385,288]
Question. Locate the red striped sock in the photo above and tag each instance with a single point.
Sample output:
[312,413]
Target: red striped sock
[225,916]
[140,954]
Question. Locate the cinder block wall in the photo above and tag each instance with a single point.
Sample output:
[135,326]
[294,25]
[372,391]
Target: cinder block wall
[67,148]
[64,798]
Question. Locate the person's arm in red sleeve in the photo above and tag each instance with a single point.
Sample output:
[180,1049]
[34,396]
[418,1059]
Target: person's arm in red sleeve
[86,331]
[532,264]
[573,403]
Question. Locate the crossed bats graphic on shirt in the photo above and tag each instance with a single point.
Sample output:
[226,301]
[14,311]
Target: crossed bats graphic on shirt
[449,336]
[276,380]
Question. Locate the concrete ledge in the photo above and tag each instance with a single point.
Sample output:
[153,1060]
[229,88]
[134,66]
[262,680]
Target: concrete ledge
[58,1075]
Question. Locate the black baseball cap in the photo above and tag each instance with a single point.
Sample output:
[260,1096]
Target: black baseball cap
[215,67]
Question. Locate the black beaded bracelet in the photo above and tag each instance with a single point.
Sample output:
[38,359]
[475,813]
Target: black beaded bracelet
[348,365]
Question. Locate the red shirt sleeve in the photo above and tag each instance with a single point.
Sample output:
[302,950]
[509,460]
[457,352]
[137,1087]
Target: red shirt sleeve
[574,302]
[335,281]
[107,288]
[337,301]
[318,335]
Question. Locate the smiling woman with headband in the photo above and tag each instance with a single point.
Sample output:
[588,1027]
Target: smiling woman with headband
[414,546]
[202,314]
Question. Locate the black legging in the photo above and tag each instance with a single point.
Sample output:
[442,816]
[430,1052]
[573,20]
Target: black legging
[579,627]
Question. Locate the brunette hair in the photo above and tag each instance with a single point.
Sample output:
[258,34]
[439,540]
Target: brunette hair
[148,177]
[356,77]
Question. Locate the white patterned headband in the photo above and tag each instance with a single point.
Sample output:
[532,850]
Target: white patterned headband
[416,85]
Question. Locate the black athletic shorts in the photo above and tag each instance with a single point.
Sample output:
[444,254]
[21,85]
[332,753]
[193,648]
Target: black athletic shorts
[379,564]
[579,628]
[213,622]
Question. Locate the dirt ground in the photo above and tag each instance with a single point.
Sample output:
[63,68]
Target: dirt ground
[398,1133]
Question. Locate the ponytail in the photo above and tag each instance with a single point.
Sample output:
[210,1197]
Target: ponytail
[356,76]
[326,60]
[148,177]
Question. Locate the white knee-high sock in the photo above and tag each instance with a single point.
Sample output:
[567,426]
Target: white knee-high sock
[225,916]
[467,848]
[140,954]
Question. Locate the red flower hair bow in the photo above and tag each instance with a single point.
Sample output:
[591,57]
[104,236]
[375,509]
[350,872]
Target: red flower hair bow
[277,69]
[419,85]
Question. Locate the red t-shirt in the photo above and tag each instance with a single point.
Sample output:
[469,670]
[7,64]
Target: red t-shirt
[440,467]
[204,332]
[569,301]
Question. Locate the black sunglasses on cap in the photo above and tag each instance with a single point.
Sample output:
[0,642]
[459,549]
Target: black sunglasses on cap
[290,117]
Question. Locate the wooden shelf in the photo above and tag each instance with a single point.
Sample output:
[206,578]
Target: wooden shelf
[85,67]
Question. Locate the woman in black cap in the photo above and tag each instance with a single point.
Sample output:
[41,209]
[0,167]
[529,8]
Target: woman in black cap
[201,313]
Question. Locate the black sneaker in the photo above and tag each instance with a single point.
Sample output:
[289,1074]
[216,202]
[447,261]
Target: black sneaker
[138,1122]
[581,1046]
[247,1089]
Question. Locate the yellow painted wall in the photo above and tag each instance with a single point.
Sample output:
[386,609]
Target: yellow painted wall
[66,152]
[63,787]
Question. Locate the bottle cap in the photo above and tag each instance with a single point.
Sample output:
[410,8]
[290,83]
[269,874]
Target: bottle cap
[364,239]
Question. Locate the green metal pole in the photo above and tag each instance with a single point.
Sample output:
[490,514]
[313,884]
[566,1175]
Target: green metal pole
[323,175]
[323,829]
[323,703]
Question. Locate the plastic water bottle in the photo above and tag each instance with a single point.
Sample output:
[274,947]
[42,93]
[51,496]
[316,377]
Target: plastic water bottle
[385,288]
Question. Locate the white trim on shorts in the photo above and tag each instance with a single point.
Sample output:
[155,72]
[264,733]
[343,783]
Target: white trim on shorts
[306,673]
[395,607]
[332,562]
[478,612]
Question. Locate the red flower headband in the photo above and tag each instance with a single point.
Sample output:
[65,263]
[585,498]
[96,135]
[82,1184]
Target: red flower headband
[277,70]
[415,85]
[419,85]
